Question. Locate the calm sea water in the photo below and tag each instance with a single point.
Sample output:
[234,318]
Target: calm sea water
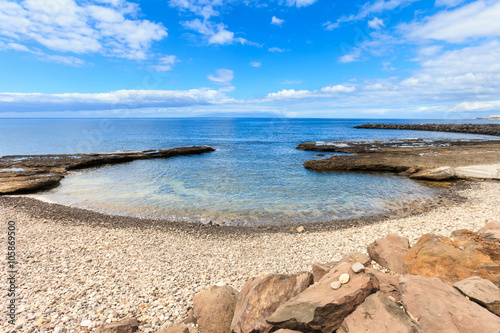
[254,177]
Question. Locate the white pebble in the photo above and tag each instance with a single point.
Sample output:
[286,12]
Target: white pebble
[344,278]
[335,285]
[357,267]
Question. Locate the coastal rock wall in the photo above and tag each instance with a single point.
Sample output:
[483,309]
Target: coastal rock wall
[31,173]
[485,129]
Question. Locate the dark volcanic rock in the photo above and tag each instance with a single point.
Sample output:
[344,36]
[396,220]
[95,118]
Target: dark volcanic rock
[485,129]
[30,173]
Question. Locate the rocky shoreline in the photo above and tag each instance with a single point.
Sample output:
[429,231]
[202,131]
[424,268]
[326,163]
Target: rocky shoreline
[32,173]
[484,129]
[419,159]
[77,275]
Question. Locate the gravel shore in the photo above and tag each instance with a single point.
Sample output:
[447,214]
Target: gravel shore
[78,271]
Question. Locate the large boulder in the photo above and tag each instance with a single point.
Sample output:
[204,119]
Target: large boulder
[178,329]
[378,313]
[491,232]
[319,270]
[481,291]
[127,325]
[388,252]
[439,307]
[214,309]
[456,258]
[388,284]
[261,296]
[320,308]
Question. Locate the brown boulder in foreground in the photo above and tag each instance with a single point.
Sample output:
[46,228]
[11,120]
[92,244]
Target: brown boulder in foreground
[178,329]
[456,258]
[214,308]
[481,291]
[441,308]
[261,296]
[491,232]
[127,325]
[388,284]
[322,309]
[378,313]
[388,252]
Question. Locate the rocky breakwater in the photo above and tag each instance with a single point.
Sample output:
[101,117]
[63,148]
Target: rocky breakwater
[485,129]
[440,284]
[419,159]
[31,173]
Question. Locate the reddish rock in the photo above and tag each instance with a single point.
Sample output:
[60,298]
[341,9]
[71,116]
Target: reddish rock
[261,296]
[388,284]
[388,252]
[322,309]
[456,258]
[319,270]
[378,313]
[284,330]
[441,308]
[214,309]
[491,232]
[127,325]
[178,329]
[483,292]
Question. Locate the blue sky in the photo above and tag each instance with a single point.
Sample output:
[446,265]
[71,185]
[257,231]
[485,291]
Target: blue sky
[293,58]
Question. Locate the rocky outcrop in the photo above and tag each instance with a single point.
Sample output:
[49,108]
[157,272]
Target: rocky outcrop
[261,296]
[439,307]
[388,252]
[128,325]
[31,173]
[452,259]
[419,159]
[481,291]
[320,308]
[490,232]
[179,329]
[378,313]
[485,129]
[320,270]
[214,309]
[388,284]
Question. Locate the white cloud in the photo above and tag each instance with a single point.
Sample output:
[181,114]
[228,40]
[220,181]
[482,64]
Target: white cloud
[215,33]
[277,50]
[376,23]
[222,77]
[299,3]
[65,60]
[121,99]
[448,3]
[330,25]
[350,57]
[479,19]
[292,94]
[65,26]
[277,21]
[255,64]
[165,63]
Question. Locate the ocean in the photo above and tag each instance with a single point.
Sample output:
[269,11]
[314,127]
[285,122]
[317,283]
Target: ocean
[255,176]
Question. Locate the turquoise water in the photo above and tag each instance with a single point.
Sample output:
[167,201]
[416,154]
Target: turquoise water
[254,177]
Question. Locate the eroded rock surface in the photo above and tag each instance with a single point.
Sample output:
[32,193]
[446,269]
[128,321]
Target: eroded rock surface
[214,309]
[491,232]
[388,252]
[482,291]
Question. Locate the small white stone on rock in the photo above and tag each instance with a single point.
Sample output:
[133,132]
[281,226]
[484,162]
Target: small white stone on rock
[344,278]
[335,285]
[357,267]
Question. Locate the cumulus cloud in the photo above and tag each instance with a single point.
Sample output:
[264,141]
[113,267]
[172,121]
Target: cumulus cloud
[90,27]
[222,77]
[121,99]
[350,57]
[165,63]
[472,21]
[292,94]
[277,21]
[299,3]
[376,23]
[255,64]
[215,33]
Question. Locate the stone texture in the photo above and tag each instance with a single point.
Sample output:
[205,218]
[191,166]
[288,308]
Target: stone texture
[178,329]
[491,171]
[481,291]
[357,267]
[127,325]
[214,309]
[284,330]
[378,313]
[388,284]
[491,232]
[319,270]
[320,308]
[439,307]
[455,258]
[388,252]
[261,296]
[441,173]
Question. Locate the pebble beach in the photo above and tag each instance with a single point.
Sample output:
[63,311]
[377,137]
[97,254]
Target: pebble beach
[77,271]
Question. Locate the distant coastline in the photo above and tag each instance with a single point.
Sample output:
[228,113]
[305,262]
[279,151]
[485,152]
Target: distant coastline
[492,117]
